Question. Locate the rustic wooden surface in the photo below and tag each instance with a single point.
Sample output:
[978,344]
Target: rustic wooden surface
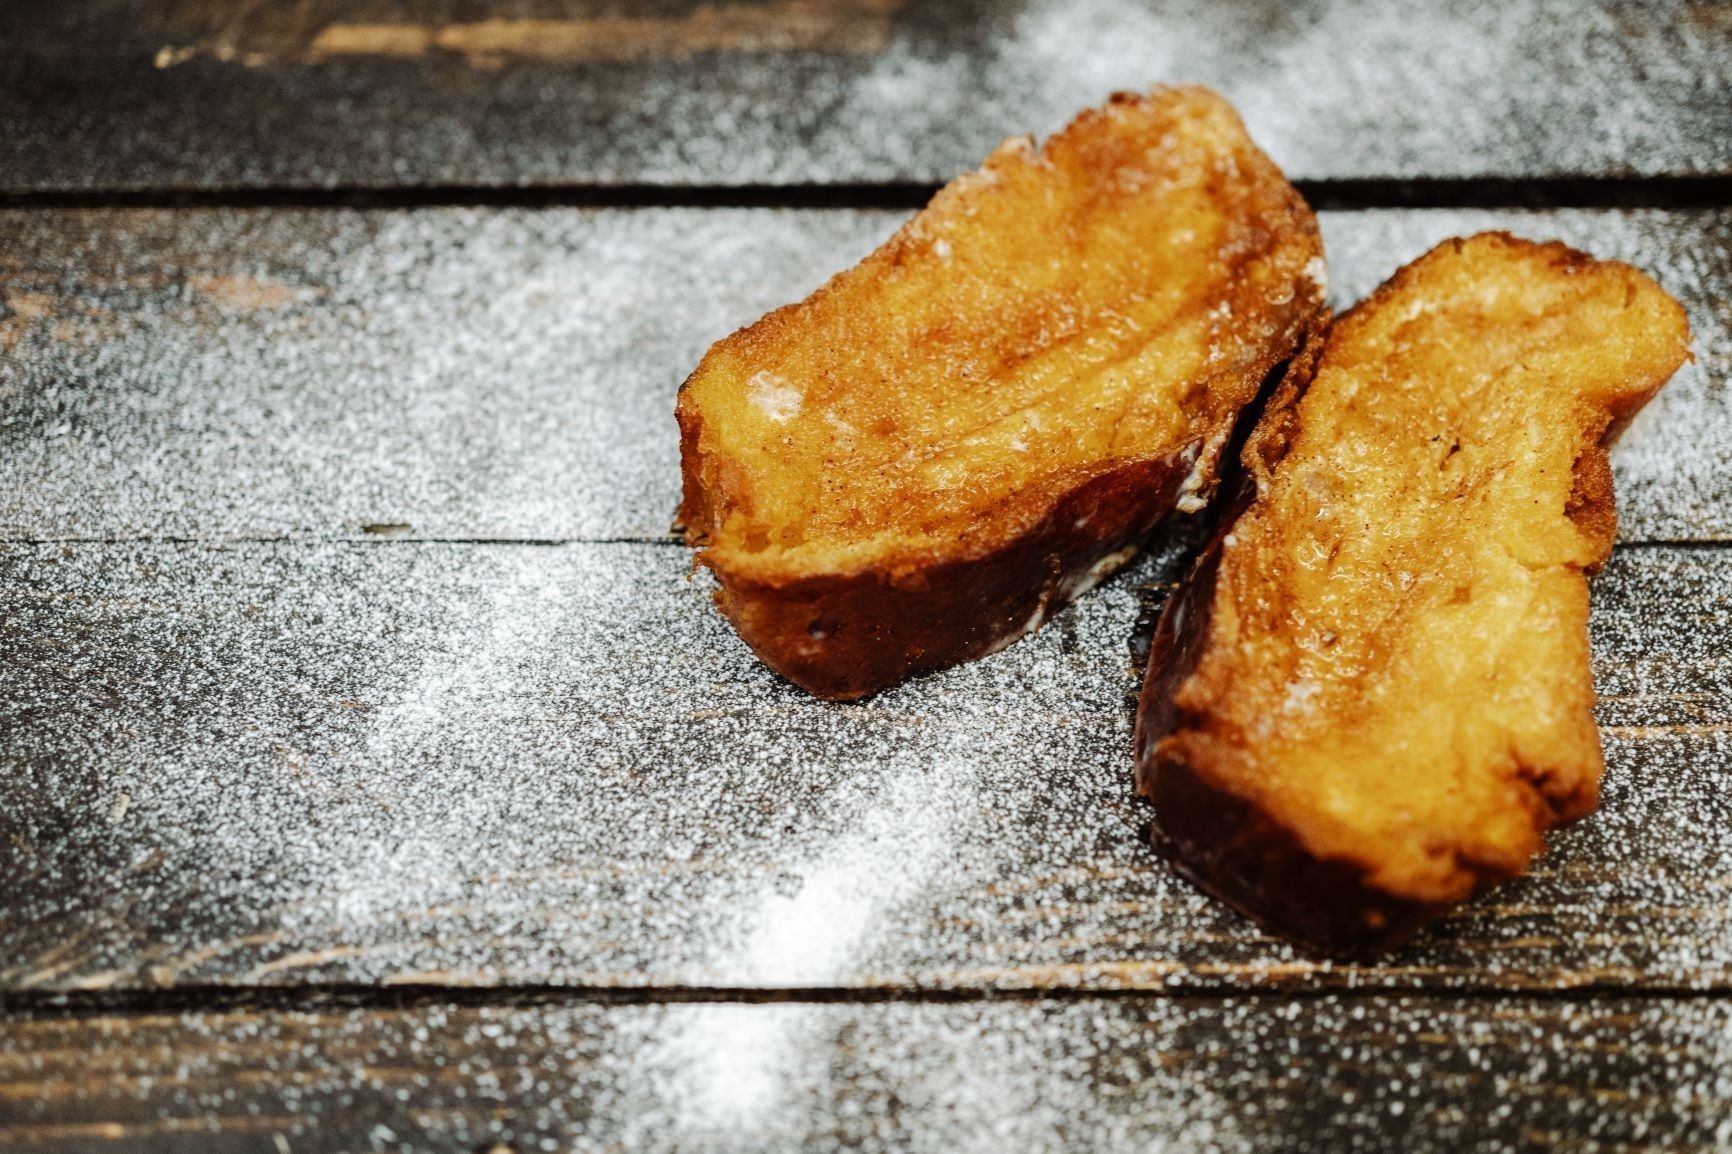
[364,763]
[374,777]
[1195,1076]
[214,94]
[212,374]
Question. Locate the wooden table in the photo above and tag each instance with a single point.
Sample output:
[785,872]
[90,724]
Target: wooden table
[373,776]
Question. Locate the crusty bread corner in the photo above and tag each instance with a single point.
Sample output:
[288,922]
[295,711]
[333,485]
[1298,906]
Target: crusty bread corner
[920,462]
[1372,696]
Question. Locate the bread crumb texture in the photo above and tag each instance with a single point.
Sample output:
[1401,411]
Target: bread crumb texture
[1397,669]
[1062,312]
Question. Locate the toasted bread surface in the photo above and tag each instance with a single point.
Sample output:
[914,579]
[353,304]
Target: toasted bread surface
[874,473]
[1373,695]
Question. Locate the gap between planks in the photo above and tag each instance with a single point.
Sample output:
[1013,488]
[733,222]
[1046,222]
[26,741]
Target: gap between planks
[362,997]
[1584,192]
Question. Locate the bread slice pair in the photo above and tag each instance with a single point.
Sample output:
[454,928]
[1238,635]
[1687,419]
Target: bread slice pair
[1372,696]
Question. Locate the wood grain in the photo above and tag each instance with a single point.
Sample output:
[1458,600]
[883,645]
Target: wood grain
[341,645]
[1118,1074]
[510,374]
[213,94]
[281,764]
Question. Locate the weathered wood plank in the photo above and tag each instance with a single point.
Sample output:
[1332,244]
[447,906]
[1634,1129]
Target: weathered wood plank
[1118,1074]
[511,374]
[290,763]
[208,94]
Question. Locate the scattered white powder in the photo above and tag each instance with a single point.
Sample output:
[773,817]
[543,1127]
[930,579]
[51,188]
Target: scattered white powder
[1514,91]
[1299,696]
[1227,1076]
[778,401]
[1317,272]
[373,762]
[512,373]
[402,761]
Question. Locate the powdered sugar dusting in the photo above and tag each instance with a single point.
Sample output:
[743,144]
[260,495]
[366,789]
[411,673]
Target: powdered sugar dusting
[1207,1076]
[1510,90]
[512,374]
[1317,272]
[776,400]
[480,764]
[448,372]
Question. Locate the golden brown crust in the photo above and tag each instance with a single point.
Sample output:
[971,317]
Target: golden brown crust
[1372,696]
[918,463]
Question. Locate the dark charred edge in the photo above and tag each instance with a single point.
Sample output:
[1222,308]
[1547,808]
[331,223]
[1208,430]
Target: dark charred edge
[1549,192]
[1226,847]
[339,997]
[879,633]
[1219,843]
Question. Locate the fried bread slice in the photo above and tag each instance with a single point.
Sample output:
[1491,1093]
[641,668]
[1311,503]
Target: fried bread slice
[1371,697]
[941,446]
